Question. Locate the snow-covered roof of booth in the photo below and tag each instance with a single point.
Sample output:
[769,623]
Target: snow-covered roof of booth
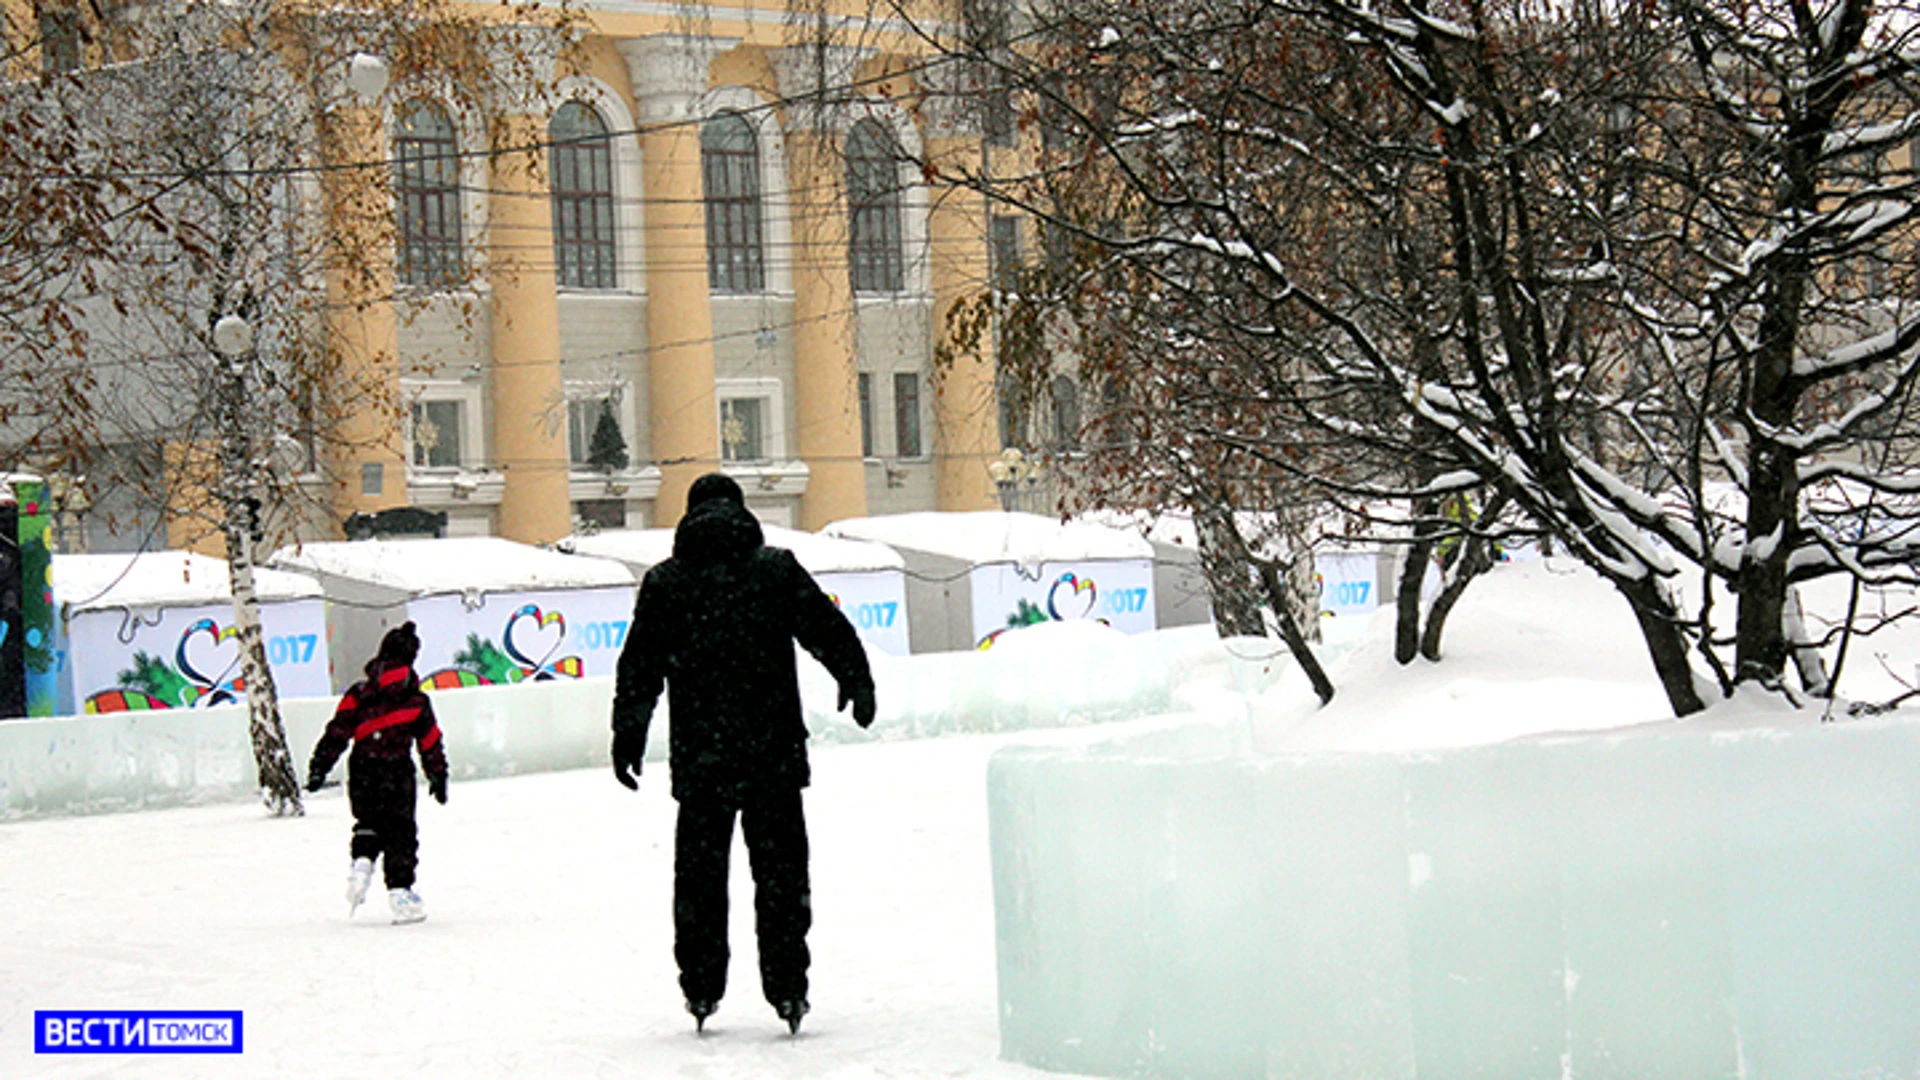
[1164,528]
[990,536]
[425,567]
[162,579]
[818,554]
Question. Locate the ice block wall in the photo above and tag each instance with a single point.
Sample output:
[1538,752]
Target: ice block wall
[1045,677]
[1668,903]
[131,760]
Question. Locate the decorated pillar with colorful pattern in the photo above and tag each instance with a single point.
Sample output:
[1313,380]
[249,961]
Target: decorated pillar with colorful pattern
[38,652]
[13,674]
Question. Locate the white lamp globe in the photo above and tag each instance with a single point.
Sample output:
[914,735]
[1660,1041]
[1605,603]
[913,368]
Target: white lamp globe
[232,336]
[366,77]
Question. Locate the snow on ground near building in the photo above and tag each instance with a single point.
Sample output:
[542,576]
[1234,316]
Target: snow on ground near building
[548,950]
[1537,646]
[1533,646]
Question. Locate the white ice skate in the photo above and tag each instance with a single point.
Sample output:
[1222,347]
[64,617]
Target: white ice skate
[357,880]
[406,905]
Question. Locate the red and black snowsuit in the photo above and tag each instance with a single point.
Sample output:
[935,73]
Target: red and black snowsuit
[384,716]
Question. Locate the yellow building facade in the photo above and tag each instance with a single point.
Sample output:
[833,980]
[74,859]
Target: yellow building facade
[660,249]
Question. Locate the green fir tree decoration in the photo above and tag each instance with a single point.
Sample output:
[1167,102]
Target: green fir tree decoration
[484,658]
[607,450]
[1026,614]
[157,679]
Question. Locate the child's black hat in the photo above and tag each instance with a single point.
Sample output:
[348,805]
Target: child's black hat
[400,645]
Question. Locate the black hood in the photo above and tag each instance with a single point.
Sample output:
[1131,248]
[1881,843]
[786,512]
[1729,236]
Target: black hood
[718,530]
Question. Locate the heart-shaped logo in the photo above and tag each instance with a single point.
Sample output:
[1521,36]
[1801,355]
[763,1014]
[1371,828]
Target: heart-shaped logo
[1071,597]
[532,636]
[209,655]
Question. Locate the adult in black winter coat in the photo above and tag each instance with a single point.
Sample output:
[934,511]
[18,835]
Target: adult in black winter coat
[716,625]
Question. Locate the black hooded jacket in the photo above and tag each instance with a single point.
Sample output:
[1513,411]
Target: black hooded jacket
[716,624]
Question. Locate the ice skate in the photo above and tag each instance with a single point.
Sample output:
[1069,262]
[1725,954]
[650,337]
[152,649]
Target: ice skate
[791,1011]
[406,905]
[701,1009]
[357,880]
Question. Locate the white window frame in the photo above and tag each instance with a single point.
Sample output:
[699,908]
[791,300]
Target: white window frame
[472,420]
[470,134]
[629,230]
[915,242]
[773,394]
[776,210]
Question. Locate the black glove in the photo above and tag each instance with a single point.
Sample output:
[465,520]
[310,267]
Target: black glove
[629,746]
[437,786]
[316,781]
[862,699]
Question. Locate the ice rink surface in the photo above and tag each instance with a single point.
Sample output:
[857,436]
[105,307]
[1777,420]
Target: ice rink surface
[548,950]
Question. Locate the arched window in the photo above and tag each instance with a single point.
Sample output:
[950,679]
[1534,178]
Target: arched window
[582,188]
[730,164]
[874,250]
[427,184]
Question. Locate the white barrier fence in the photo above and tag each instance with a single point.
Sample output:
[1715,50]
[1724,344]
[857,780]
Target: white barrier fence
[1046,676]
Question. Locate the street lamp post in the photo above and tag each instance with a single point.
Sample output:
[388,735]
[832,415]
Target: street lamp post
[279,786]
[1012,472]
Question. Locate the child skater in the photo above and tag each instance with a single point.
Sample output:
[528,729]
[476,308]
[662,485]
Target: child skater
[384,715]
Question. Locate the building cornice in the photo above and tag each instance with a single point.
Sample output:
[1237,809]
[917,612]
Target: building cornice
[813,79]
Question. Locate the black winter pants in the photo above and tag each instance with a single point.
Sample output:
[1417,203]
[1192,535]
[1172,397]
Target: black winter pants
[776,831]
[383,827]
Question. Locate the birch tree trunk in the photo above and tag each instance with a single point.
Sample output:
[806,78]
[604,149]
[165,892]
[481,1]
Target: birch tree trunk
[1302,578]
[279,784]
[1236,606]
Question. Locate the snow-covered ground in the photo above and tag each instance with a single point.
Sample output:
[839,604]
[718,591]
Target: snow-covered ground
[548,949]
